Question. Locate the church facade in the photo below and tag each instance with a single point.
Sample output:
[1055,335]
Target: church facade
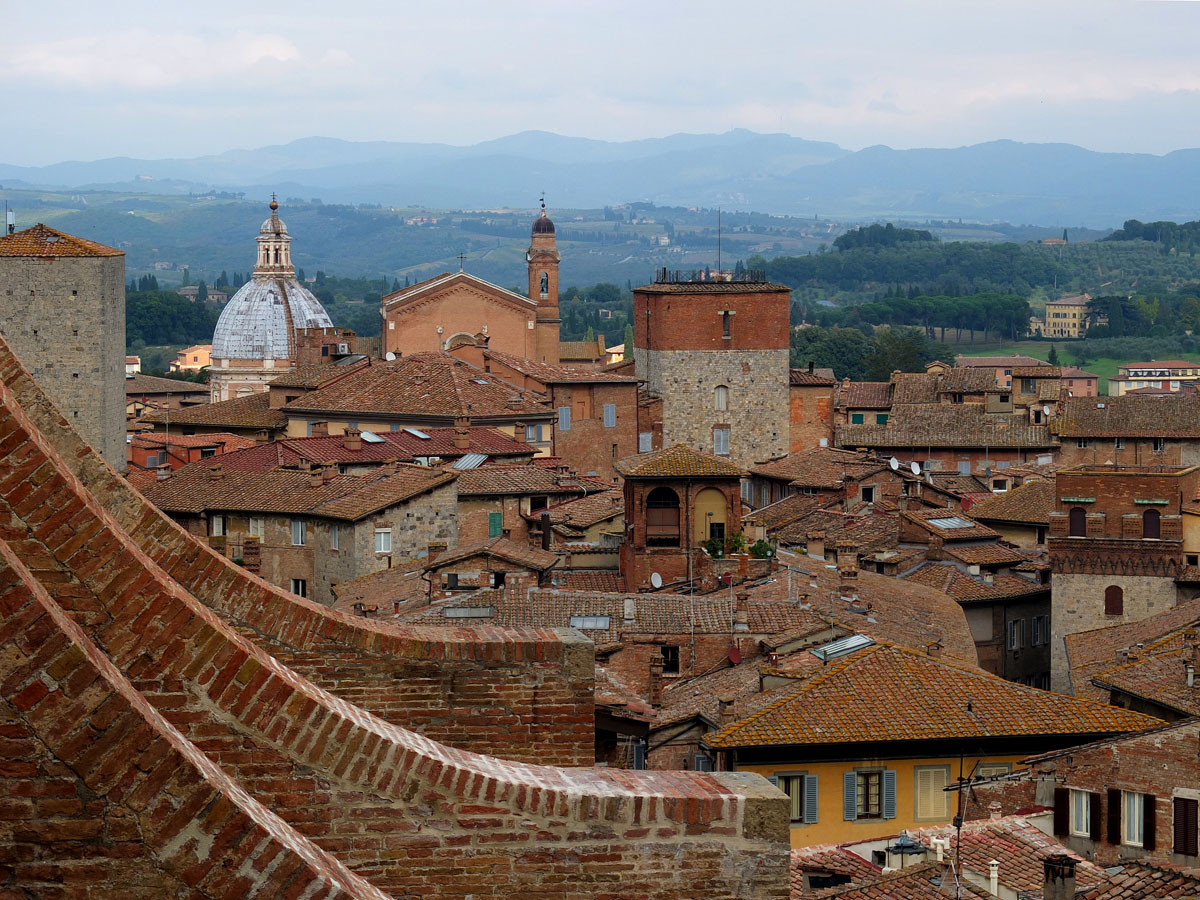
[450,309]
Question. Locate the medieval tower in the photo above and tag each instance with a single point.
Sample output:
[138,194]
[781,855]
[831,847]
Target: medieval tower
[543,260]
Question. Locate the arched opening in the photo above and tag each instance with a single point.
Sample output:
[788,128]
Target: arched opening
[1151,524]
[1114,601]
[544,284]
[721,398]
[711,515]
[1077,523]
[662,518]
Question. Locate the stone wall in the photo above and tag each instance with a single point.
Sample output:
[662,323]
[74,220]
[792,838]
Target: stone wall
[64,317]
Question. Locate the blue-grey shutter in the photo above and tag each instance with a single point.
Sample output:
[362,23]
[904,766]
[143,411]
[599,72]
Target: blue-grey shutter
[889,794]
[810,798]
[564,418]
[850,796]
[774,779]
[645,442]
[610,415]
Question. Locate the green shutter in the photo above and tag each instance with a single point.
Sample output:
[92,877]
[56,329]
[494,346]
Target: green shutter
[850,796]
[889,794]
[856,418]
[810,799]
[495,525]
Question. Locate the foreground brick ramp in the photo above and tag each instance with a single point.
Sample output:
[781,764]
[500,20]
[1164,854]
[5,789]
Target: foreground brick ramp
[148,747]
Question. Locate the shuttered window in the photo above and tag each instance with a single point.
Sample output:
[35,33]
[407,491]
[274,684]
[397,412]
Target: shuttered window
[802,796]
[721,441]
[869,795]
[564,418]
[1187,826]
[645,442]
[610,415]
[933,802]
[495,524]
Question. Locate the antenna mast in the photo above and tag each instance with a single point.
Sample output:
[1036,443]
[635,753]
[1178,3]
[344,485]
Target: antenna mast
[718,242]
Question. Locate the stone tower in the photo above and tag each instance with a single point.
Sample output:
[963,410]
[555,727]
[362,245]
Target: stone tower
[716,354]
[543,260]
[62,310]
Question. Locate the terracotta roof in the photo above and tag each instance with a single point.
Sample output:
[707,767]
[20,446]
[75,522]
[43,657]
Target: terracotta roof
[827,859]
[590,580]
[1161,364]
[252,411]
[911,387]
[678,462]
[992,553]
[425,385]
[918,425]
[864,395]
[818,377]
[138,384]
[1176,415]
[783,512]
[1031,503]
[585,511]
[1095,651]
[739,684]
[924,881]
[582,350]
[315,376]
[1140,879]
[1042,371]
[1158,675]
[43,241]
[853,700]
[228,442]
[446,279]
[973,589]
[522,478]
[1076,372]
[204,486]
[712,287]
[997,362]
[1070,300]
[502,548]
[874,532]
[378,591]
[950,525]
[825,467]
[549,373]
[956,483]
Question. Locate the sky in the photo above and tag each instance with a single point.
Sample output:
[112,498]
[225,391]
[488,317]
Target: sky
[88,80]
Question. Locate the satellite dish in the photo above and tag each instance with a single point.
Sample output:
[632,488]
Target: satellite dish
[655,580]
[390,356]
[915,468]
[894,463]
[1045,410]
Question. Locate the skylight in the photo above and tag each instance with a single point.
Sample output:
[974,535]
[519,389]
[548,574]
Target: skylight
[471,461]
[371,437]
[418,433]
[842,646]
[467,612]
[950,522]
[590,623]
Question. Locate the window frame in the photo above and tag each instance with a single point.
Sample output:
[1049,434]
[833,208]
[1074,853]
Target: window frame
[1080,811]
[927,815]
[722,437]
[299,533]
[1133,819]
[256,527]
[721,398]
[864,780]
[300,587]
[610,415]
[801,790]
[335,536]
[216,525]
[670,658]
[383,540]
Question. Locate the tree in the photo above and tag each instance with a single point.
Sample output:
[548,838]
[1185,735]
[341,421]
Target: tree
[201,292]
[1053,357]
[628,341]
[187,276]
[591,335]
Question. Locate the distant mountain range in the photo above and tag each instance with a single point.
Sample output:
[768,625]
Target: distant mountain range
[1045,184]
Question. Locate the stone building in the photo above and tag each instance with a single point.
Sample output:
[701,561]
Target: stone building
[716,353]
[62,309]
[1116,548]
[440,312]
[255,338]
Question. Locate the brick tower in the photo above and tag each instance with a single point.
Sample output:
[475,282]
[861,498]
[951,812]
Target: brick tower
[543,260]
[62,309]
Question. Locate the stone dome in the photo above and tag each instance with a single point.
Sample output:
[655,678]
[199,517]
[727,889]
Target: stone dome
[273,224]
[260,320]
[542,224]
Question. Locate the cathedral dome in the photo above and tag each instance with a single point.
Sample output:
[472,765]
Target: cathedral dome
[260,321]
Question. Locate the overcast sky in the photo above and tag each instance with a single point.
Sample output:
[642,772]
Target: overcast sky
[85,80]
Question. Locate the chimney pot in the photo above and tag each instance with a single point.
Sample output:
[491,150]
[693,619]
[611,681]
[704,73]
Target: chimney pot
[352,439]
[320,429]
[994,811]
[994,877]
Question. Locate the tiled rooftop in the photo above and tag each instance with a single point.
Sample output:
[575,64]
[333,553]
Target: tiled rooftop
[522,478]
[228,442]
[1141,880]
[585,511]
[816,378]
[950,525]
[970,588]
[530,557]
[1176,415]
[1031,503]
[864,395]
[827,859]
[782,512]
[549,373]
[923,425]
[925,881]
[253,411]
[875,532]
[1158,675]
[990,554]
[44,241]
[138,384]
[857,699]
[378,591]
[822,467]
[712,287]
[315,376]
[678,462]
[997,362]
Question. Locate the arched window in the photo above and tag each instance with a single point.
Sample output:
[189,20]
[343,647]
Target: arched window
[544,284]
[1151,524]
[1114,601]
[662,518]
[721,398]
[1077,524]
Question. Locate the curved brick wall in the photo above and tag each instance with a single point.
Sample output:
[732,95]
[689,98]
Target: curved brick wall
[405,814]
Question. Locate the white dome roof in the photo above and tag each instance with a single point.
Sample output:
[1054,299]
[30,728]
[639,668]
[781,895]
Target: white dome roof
[260,320]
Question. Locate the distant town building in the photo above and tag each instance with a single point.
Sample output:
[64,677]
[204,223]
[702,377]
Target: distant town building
[62,309]
[1167,375]
[133,365]
[192,359]
[255,338]
[1068,317]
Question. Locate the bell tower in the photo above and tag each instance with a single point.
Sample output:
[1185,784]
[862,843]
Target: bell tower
[543,259]
[274,247]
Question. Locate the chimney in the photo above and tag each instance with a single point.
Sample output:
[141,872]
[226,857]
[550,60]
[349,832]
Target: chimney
[810,367]
[316,477]
[994,878]
[547,534]
[462,433]
[352,439]
[995,811]
[934,649]
[939,848]
[262,437]
[816,544]
[847,557]
[162,473]
[436,549]
[725,713]
[514,403]
[320,429]
[988,577]
[741,613]
[217,473]
[656,678]
[1058,881]
[329,472]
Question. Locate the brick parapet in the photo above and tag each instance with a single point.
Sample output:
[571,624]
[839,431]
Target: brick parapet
[406,811]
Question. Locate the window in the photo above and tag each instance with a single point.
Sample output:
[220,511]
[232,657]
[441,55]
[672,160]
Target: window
[670,655]
[956,398]
[1187,826]
[1119,444]
[299,533]
[533,433]
[991,770]
[662,518]
[1151,524]
[1081,814]
[721,398]
[645,441]
[867,493]
[869,794]
[1041,631]
[564,418]
[1137,819]
[856,418]
[495,524]
[258,527]
[610,415]
[721,441]
[1193,559]
[208,452]
[1158,445]
[881,418]
[1028,385]
[964,467]
[1077,522]
[1005,398]
[335,537]
[1082,443]
[1114,601]
[801,790]
[151,460]
[300,587]
[1016,634]
[932,801]
[383,540]
[726,324]
[216,526]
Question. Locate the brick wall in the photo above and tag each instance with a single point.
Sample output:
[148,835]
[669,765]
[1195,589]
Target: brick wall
[462,308]
[272,761]
[589,447]
[811,416]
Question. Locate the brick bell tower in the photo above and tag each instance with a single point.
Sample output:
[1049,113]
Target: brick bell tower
[543,259]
